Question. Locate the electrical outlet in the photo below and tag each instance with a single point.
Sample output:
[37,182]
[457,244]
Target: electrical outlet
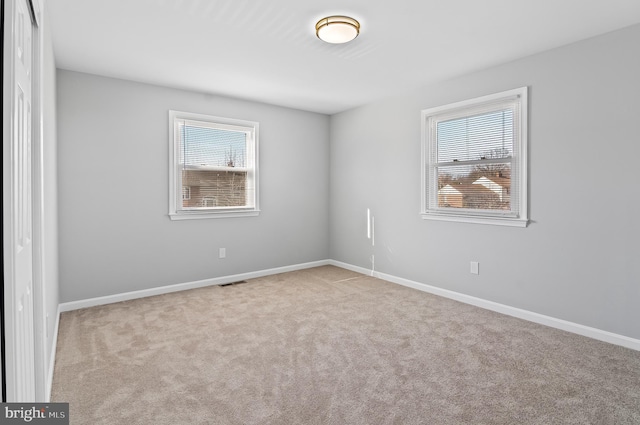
[222,253]
[475,267]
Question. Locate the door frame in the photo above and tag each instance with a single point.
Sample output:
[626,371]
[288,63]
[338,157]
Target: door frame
[8,284]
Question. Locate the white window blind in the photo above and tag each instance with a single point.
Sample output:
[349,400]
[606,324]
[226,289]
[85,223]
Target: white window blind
[216,158]
[474,160]
[204,146]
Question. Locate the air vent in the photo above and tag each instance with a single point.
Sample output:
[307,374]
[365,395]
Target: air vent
[234,283]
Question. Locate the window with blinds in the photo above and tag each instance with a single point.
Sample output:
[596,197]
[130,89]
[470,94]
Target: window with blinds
[474,160]
[213,166]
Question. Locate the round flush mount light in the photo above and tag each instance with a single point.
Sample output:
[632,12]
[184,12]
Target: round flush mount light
[337,29]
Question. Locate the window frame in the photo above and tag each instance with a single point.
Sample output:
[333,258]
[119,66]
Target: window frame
[175,175]
[519,164]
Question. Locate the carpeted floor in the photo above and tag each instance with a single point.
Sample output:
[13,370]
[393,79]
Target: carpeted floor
[330,346]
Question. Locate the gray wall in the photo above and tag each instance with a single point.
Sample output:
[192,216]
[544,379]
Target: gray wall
[115,233]
[577,259]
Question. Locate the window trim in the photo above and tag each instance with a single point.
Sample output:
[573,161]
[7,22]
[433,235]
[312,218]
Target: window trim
[175,213]
[519,162]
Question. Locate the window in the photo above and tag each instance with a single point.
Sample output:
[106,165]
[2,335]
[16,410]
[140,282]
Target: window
[474,160]
[215,162]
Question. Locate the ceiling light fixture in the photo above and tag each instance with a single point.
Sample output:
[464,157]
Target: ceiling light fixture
[337,29]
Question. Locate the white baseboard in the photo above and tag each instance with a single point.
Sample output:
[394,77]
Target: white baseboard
[553,322]
[52,357]
[109,299]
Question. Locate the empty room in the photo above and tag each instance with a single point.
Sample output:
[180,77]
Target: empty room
[336,212]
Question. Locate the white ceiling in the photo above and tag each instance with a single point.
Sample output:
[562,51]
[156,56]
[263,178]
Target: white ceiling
[267,51]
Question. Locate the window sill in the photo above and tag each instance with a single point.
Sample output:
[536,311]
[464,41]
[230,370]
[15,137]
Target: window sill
[213,214]
[497,221]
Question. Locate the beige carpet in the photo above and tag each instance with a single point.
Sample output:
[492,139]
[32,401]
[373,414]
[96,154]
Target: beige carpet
[329,346]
